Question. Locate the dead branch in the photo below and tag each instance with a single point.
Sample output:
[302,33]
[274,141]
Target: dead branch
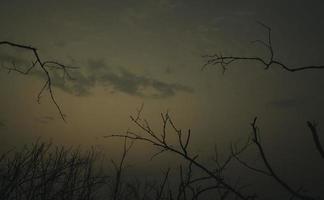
[225,61]
[160,141]
[44,66]
[312,126]
[119,169]
[160,191]
[270,170]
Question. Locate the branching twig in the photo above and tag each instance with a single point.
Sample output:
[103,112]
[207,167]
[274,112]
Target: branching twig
[45,66]
[225,61]
[161,142]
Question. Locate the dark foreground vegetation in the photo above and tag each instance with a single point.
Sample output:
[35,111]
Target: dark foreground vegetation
[47,172]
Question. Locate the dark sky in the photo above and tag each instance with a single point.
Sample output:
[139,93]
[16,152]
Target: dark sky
[149,51]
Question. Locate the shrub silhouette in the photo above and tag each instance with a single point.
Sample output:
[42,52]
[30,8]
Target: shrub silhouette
[43,171]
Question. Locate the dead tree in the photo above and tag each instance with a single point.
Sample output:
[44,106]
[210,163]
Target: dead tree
[45,66]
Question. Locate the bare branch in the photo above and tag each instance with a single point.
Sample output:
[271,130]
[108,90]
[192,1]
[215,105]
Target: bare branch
[159,141]
[312,126]
[44,66]
[119,168]
[225,61]
[162,186]
[271,172]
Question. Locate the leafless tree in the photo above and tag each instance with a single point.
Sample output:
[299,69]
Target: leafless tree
[121,189]
[43,171]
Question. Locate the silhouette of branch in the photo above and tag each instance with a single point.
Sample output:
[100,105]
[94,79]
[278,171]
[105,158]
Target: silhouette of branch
[225,61]
[44,66]
[183,142]
[119,169]
[159,193]
[271,172]
[312,126]
[235,153]
[194,185]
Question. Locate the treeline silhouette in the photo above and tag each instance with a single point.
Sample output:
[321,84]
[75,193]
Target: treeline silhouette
[43,171]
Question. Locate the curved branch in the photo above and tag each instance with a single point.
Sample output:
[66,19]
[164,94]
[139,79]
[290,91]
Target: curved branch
[271,172]
[45,66]
[319,147]
[153,139]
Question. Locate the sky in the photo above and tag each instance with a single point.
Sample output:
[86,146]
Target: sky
[149,52]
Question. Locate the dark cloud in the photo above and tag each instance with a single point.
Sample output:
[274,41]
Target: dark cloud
[98,73]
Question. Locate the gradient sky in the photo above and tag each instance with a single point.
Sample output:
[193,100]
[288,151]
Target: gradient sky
[131,52]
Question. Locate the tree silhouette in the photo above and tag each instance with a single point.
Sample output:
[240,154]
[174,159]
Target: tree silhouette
[43,171]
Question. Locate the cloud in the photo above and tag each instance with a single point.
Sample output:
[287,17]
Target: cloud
[98,73]
[119,79]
